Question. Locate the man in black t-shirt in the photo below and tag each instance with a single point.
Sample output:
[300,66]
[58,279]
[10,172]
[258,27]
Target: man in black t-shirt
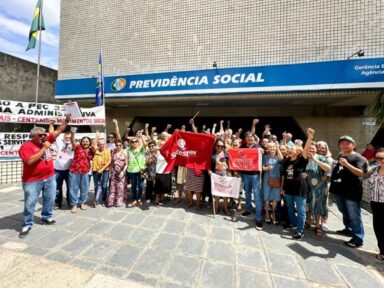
[346,185]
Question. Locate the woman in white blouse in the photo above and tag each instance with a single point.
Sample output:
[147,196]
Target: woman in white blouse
[376,187]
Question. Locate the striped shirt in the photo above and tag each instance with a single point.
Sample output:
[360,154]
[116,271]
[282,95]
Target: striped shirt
[376,186]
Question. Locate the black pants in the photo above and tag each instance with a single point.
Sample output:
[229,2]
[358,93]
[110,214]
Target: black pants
[378,223]
[149,190]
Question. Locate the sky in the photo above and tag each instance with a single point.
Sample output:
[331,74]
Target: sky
[15,22]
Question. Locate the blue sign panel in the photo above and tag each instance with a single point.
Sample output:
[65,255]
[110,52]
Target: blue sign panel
[331,75]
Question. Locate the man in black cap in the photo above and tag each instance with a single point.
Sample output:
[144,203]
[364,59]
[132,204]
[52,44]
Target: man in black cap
[346,185]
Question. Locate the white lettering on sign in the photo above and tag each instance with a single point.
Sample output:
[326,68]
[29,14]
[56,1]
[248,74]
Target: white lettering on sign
[197,81]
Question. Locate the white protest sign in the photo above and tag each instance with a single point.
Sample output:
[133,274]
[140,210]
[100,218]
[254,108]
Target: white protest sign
[73,109]
[10,142]
[224,186]
[41,113]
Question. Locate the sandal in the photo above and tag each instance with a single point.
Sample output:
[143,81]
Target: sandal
[380,257]
[318,231]
[274,221]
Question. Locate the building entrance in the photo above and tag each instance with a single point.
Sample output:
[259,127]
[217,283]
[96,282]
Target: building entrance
[278,124]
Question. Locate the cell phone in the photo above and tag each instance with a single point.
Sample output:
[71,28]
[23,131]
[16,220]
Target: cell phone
[74,129]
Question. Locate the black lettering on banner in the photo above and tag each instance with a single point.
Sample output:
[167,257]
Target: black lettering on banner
[5,110]
[5,103]
[20,105]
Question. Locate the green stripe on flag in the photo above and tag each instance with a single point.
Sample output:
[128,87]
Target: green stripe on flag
[36,25]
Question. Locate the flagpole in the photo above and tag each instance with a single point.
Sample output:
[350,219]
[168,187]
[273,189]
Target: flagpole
[103,91]
[38,54]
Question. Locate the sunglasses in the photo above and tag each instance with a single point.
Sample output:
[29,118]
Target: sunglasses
[134,141]
[119,145]
[220,146]
[379,158]
[41,135]
[151,146]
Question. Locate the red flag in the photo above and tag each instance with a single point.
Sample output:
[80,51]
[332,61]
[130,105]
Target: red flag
[192,150]
[245,159]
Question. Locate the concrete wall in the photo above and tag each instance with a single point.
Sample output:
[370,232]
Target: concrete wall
[18,80]
[330,129]
[160,36]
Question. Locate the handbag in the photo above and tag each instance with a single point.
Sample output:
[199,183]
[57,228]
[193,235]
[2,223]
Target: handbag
[143,171]
[144,174]
[274,182]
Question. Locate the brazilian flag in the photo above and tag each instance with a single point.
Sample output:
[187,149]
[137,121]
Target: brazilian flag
[36,25]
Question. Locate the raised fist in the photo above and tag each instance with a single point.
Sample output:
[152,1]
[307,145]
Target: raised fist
[310,132]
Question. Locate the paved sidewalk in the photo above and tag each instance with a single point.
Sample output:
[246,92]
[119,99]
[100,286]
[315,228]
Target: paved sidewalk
[170,247]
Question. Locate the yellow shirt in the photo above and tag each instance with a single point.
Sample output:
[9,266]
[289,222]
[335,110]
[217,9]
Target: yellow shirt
[100,159]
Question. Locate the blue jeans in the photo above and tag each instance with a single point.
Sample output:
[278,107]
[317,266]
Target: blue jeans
[252,185]
[101,185]
[76,182]
[61,176]
[298,220]
[136,181]
[351,217]
[31,195]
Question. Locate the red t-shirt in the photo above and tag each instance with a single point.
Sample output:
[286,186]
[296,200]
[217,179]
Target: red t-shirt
[368,154]
[42,169]
[81,159]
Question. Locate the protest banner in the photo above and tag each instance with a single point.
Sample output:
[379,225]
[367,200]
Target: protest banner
[245,159]
[10,143]
[41,113]
[192,150]
[224,186]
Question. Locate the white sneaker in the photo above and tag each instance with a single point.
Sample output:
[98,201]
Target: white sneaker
[324,227]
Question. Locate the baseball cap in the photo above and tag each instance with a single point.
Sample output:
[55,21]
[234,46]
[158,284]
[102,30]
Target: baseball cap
[346,137]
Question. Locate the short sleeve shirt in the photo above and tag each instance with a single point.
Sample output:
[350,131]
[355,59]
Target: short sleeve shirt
[346,184]
[100,159]
[292,172]
[81,161]
[43,168]
[64,155]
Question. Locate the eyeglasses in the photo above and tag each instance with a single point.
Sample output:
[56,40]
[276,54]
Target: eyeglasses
[379,158]
[41,135]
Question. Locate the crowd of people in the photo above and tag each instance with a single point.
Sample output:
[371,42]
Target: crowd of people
[296,177]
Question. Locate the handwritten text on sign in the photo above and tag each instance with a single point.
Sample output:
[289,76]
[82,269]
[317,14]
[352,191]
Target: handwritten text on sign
[224,186]
[245,159]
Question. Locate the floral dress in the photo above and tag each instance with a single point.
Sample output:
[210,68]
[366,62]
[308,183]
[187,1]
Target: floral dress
[317,185]
[118,181]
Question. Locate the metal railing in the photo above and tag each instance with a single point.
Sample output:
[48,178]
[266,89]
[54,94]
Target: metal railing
[10,171]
